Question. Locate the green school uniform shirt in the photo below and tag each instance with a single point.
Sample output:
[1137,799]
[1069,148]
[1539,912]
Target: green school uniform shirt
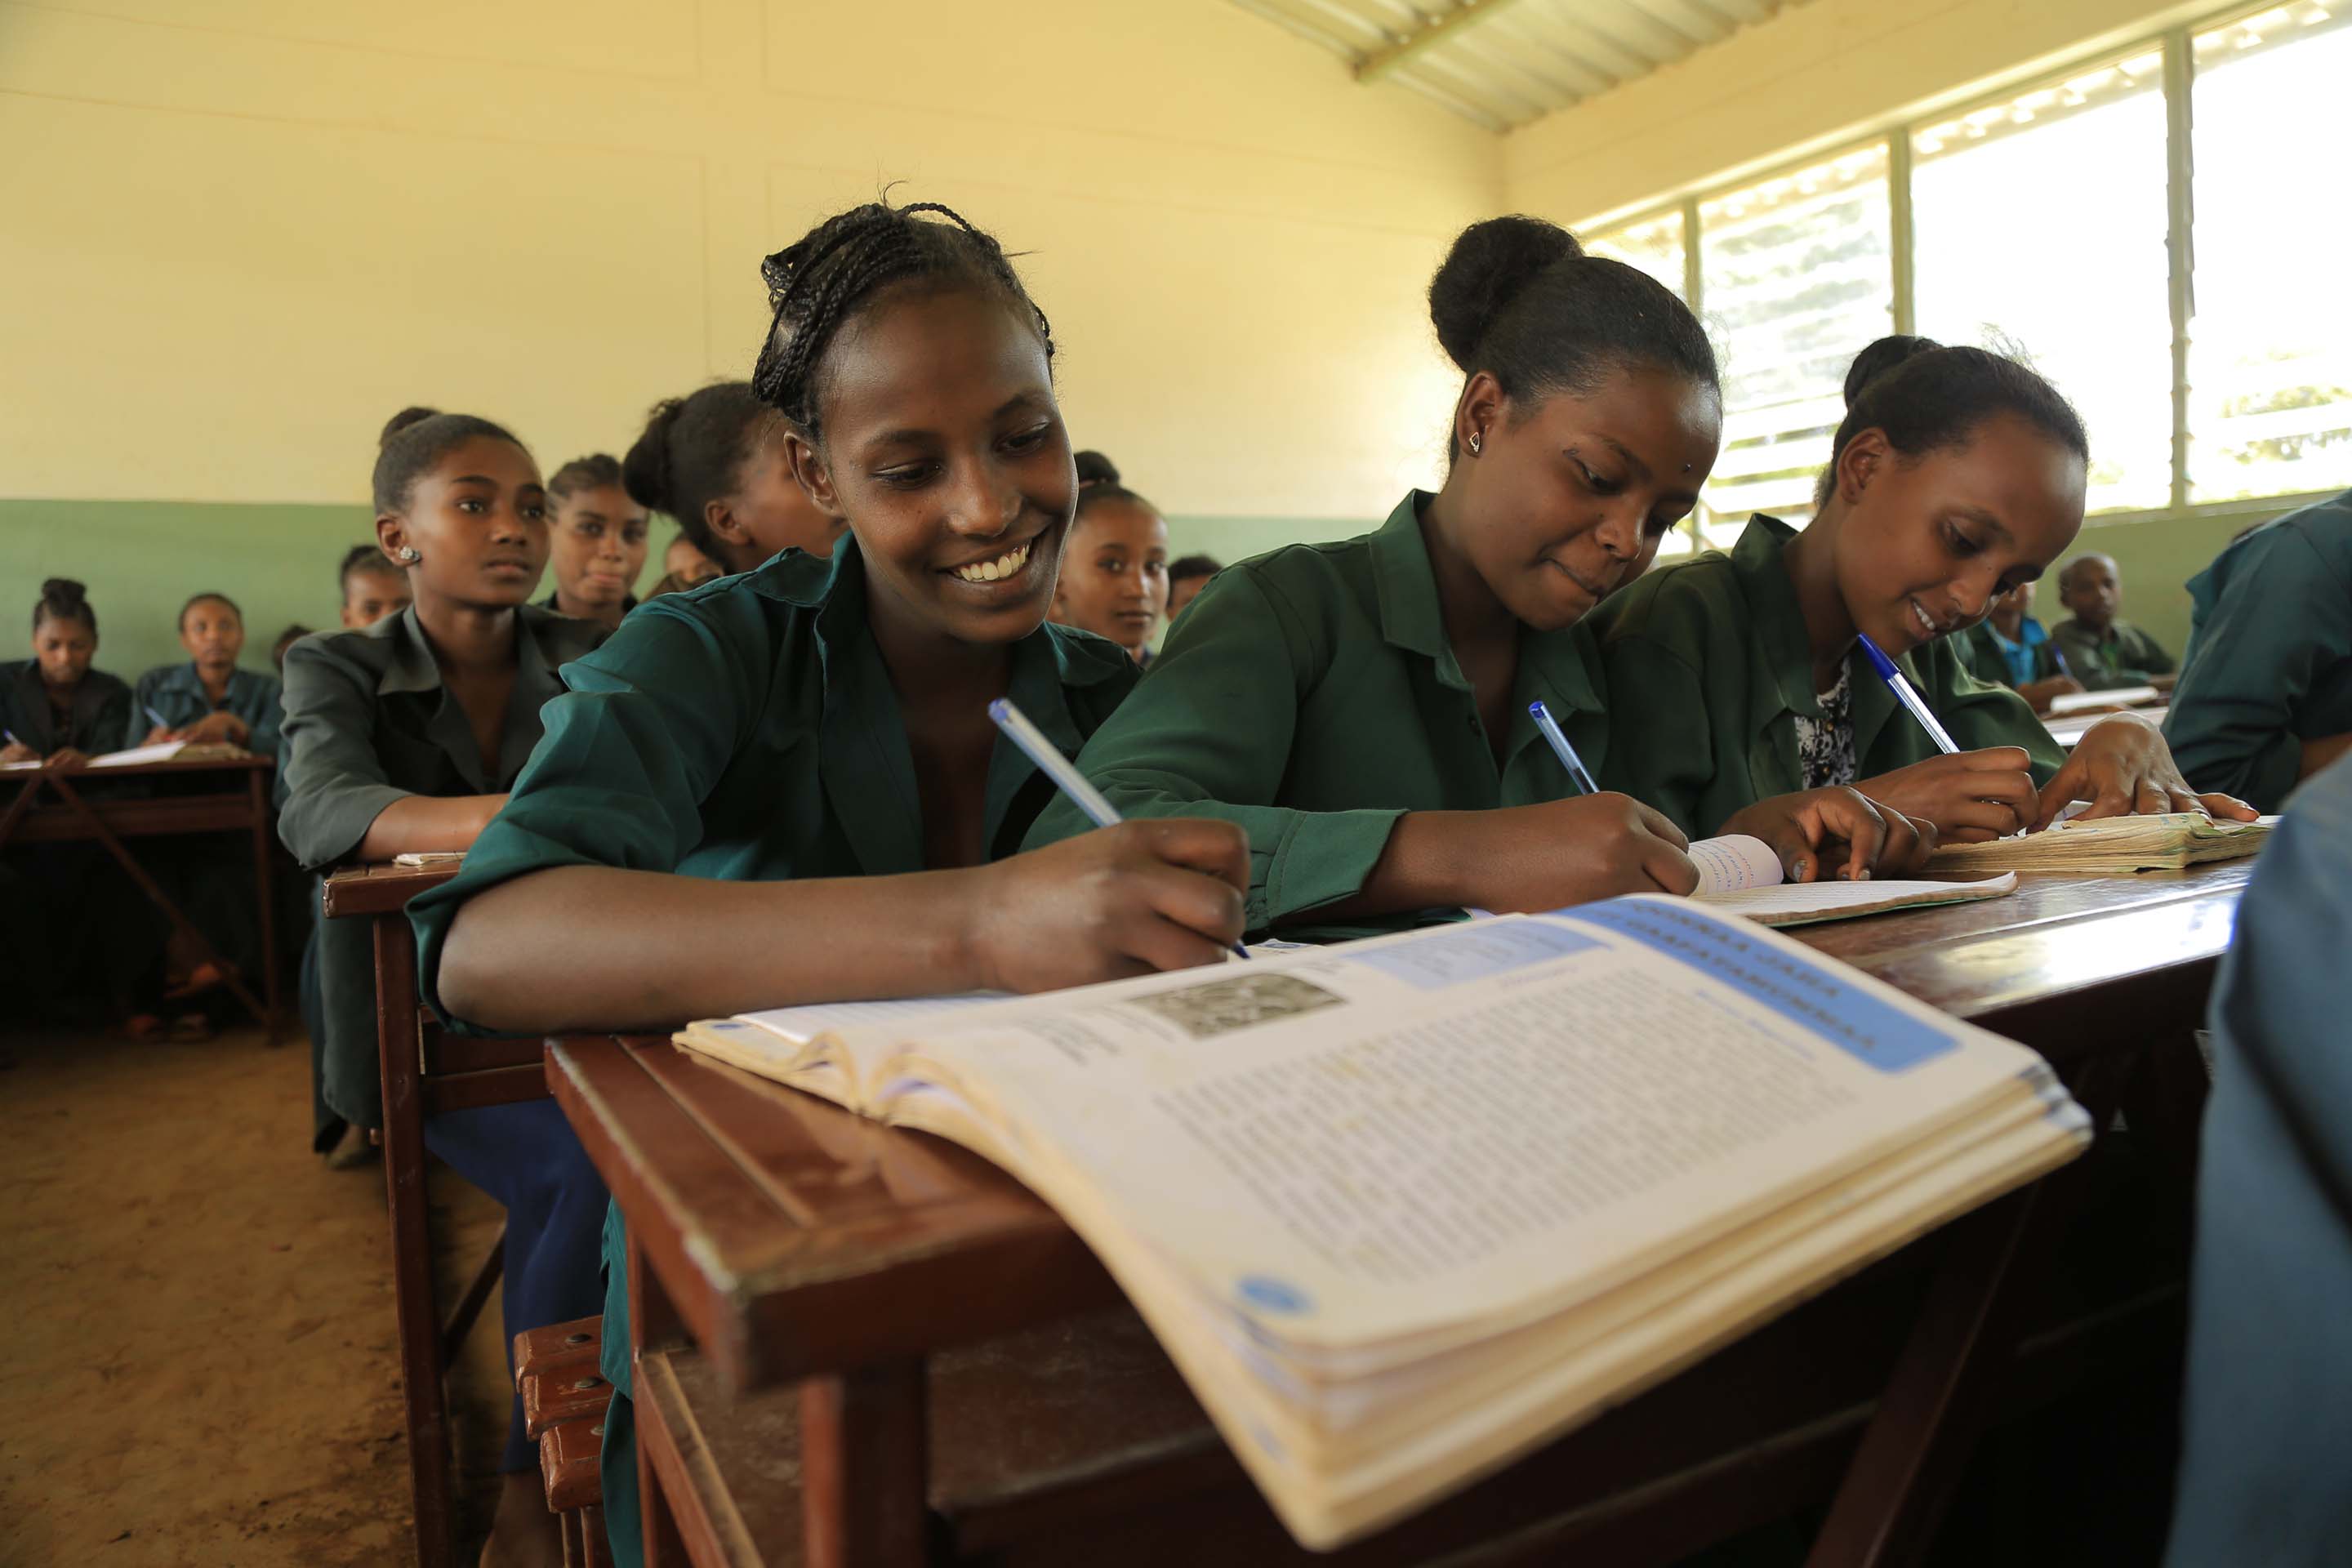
[747,731]
[370,722]
[1310,695]
[1708,666]
[177,692]
[2124,656]
[94,720]
[2269,663]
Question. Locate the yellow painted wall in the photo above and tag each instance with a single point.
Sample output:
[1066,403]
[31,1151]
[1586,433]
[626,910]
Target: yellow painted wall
[239,234]
[1817,72]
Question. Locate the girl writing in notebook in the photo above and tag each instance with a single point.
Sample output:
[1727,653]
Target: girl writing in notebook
[1362,708]
[1955,475]
[208,700]
[53,706]
[783,786]
[1114,579]
[714,462]
[406,736]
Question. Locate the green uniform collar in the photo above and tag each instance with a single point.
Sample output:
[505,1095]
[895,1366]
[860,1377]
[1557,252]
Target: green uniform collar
[1780,675]
[1556,666]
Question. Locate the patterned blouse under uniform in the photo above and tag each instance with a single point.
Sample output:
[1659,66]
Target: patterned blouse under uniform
[1826,745]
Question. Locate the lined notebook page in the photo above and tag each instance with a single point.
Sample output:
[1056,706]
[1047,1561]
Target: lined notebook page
[1802,903]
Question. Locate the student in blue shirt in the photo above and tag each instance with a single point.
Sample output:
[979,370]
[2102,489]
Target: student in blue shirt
[783,786]
[208,700]
[2009,648]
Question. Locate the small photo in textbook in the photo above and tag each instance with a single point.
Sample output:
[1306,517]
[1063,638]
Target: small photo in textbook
[1222,1007]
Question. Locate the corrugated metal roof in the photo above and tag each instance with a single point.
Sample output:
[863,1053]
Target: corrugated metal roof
[1506,62]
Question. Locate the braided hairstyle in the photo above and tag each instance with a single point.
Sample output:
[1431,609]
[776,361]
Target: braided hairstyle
[63,599]
[414,440]
[1925,397]
[818,284]
[593,472]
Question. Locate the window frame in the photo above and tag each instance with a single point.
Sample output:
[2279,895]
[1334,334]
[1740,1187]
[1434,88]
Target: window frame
[2177,77]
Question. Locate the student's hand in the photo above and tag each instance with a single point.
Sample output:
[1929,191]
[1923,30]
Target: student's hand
[2038,693]
[1840,832]
[159,733]
[69,759]
[2122,766]
[215,728]
[17,751]
[1118,901]
[1971,797]
[1525,860]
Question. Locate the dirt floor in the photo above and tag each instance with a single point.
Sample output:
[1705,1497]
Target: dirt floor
[200,1368]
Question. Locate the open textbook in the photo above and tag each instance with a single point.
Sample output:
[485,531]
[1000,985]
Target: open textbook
[2158,842]
[1401,1209]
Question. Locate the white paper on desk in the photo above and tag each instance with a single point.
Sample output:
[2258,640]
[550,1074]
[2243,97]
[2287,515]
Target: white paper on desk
[161,752]
[12,767]
[1800,903]
[1729,864]
[418,859]
[2084,701]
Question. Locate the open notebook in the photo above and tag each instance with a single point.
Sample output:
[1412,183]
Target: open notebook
[1741,875]
[2165,842]
[1401,1209]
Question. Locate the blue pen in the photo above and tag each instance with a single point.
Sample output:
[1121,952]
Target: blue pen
[1907,697]
[1054,765]
[160,722]
[1566,752]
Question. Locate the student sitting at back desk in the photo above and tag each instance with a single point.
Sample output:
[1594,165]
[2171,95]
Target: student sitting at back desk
[2102,651]
[373,586]
[1114,580]
[1362,708]
[53,706]
[597,541]
[2008,647]
[207,701]
[783,786]
[2265,693]
[1955,475]
[714,462]
[405,737]
[1187,575]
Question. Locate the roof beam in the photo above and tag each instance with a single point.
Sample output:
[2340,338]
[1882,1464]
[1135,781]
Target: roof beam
[1432,32]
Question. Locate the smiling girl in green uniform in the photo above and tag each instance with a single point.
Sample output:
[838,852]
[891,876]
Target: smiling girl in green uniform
[1361,708]
[784,787]
[1955,475]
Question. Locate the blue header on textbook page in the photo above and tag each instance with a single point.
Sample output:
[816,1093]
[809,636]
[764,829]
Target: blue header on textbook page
[1812,995]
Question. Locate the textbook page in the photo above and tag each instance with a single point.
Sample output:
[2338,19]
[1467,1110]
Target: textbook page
[1804,903]
[1345,1163]
[1732,864]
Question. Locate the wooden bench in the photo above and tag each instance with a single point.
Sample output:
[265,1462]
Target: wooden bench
[564,1397]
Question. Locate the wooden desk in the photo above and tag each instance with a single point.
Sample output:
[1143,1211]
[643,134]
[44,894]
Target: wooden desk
[789,1240]
[241,806]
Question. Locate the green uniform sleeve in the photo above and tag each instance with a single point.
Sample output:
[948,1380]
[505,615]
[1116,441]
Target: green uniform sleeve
[1208,732]
[1980,713]
[1660,742]
[334,785]
[628,756]
[2282,622]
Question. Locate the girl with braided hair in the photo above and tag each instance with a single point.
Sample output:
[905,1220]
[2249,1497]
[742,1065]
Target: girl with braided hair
[782,787]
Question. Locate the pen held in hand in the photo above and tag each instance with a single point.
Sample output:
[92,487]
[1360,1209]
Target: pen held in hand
[1905,695]
[1054,765]
[1561,749]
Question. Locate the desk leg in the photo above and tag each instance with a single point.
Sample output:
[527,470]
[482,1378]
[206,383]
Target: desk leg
[653,1322]
[426,1403]
[864,1463]
[264,906]
[26,796]
[1953,1369]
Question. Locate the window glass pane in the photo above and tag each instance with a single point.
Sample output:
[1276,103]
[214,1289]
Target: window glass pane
[1654,244]
[2039,229]
[2270,365]
[1796,278]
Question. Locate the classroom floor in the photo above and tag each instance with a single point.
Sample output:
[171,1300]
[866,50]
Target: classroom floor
[200,1364]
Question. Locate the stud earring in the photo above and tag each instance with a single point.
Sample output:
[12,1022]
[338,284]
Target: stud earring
[408,555]
[1474,443]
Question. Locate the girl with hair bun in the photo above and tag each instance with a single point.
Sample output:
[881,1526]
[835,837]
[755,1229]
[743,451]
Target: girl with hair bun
[406,736]
[1114,580]
[713,461]
[1362,708]
[1955,475]
[53,706]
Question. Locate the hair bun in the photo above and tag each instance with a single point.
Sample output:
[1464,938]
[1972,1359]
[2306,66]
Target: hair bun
[1490,262]
[1094,468]
[401,421]
[63,595]
[1881,357]
[646,471]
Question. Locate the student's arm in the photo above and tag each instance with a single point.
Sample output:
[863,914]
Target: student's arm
[576,877]
[339,803]
[2317,754]
[2285,619]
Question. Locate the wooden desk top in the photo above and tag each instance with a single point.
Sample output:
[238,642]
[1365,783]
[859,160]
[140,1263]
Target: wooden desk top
[792,1236]
[380,889]
[245,764]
